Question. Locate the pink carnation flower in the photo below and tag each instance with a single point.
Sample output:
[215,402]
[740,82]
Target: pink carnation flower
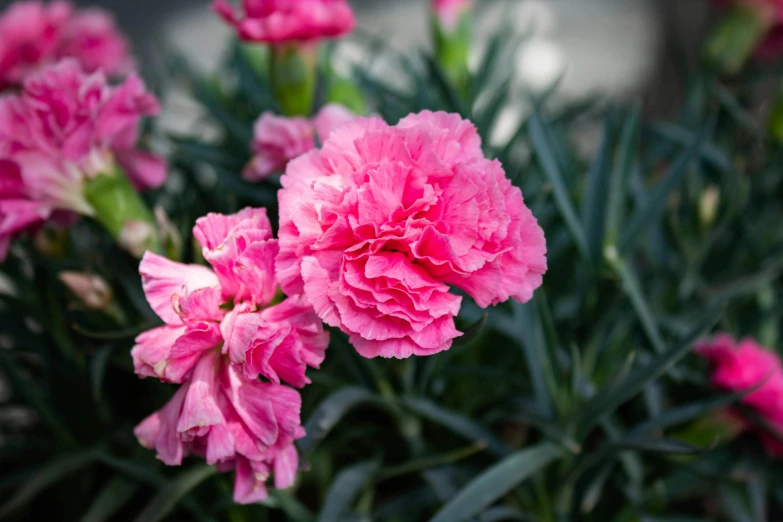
[228,304]
[448,12]
[92,37]
[377,225]
[64,127]
[231,421]
[740,366]
[222,332]
[277,139]
[281,21]
[35,35]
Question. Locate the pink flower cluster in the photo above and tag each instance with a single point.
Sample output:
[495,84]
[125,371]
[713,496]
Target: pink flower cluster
[742,366]
[35,35]
[224,327]
[377,225]
[448,12]
[66,126]
[281,21]
[277,139]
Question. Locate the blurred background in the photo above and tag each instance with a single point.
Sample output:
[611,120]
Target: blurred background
[599,47]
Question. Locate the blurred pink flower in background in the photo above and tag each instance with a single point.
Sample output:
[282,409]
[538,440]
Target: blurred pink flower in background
[225,327]
[92,37]
[63,128]
[280,21]
[741,366]
[35,34]
[448,12]
[279,139]
[377,225]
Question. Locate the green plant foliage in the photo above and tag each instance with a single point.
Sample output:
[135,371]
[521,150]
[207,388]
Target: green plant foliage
[583,404]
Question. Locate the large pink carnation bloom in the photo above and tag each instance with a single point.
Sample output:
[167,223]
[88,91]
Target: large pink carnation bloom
[278,139]
[741,366]
[281,21]
[222,331]
[35,35]
[64,127]
[377,225]
[233,422]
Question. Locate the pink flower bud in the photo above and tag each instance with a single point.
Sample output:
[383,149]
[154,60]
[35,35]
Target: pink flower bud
[92,290]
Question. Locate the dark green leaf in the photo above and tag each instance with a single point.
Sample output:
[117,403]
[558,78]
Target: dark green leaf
[549,165]
[329,412]
[658,197]
[50,474]
[345,489]
[605,403]
[111,499]
[169,496]
[495,482]
[457,423]
[596,194]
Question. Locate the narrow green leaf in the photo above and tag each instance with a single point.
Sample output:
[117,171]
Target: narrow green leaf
[169,496]
[605,403]
[34,397]
[98,366]
[683,414]
[666,446]
[626,154]
[46,477]
[709,152]
[293,509]
[656,200]
[596,194]
[634,291]
[495,482]
[531,333]
[451,98]
[472,332]
[546,158]
[457,423]
[345,489]
[111,499]
[500,513]
[329,412]
[595,490]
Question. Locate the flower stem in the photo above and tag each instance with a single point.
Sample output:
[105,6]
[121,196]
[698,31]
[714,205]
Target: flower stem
[293,75]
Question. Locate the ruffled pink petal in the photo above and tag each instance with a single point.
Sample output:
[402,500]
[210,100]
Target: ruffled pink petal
[163,279]
[145,170]
[330,117]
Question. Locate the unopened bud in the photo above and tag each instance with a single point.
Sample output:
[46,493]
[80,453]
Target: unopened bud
[92,290]
[708,205]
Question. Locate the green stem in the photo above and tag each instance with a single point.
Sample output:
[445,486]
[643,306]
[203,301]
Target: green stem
[452,47]
[293,75]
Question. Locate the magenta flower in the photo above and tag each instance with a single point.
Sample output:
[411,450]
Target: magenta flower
[92,37]
[740,366]
[448,12]
[281,21]
[223,329]
[64,128]
[36,35]
[231,421]
[278,139]
[377,225]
